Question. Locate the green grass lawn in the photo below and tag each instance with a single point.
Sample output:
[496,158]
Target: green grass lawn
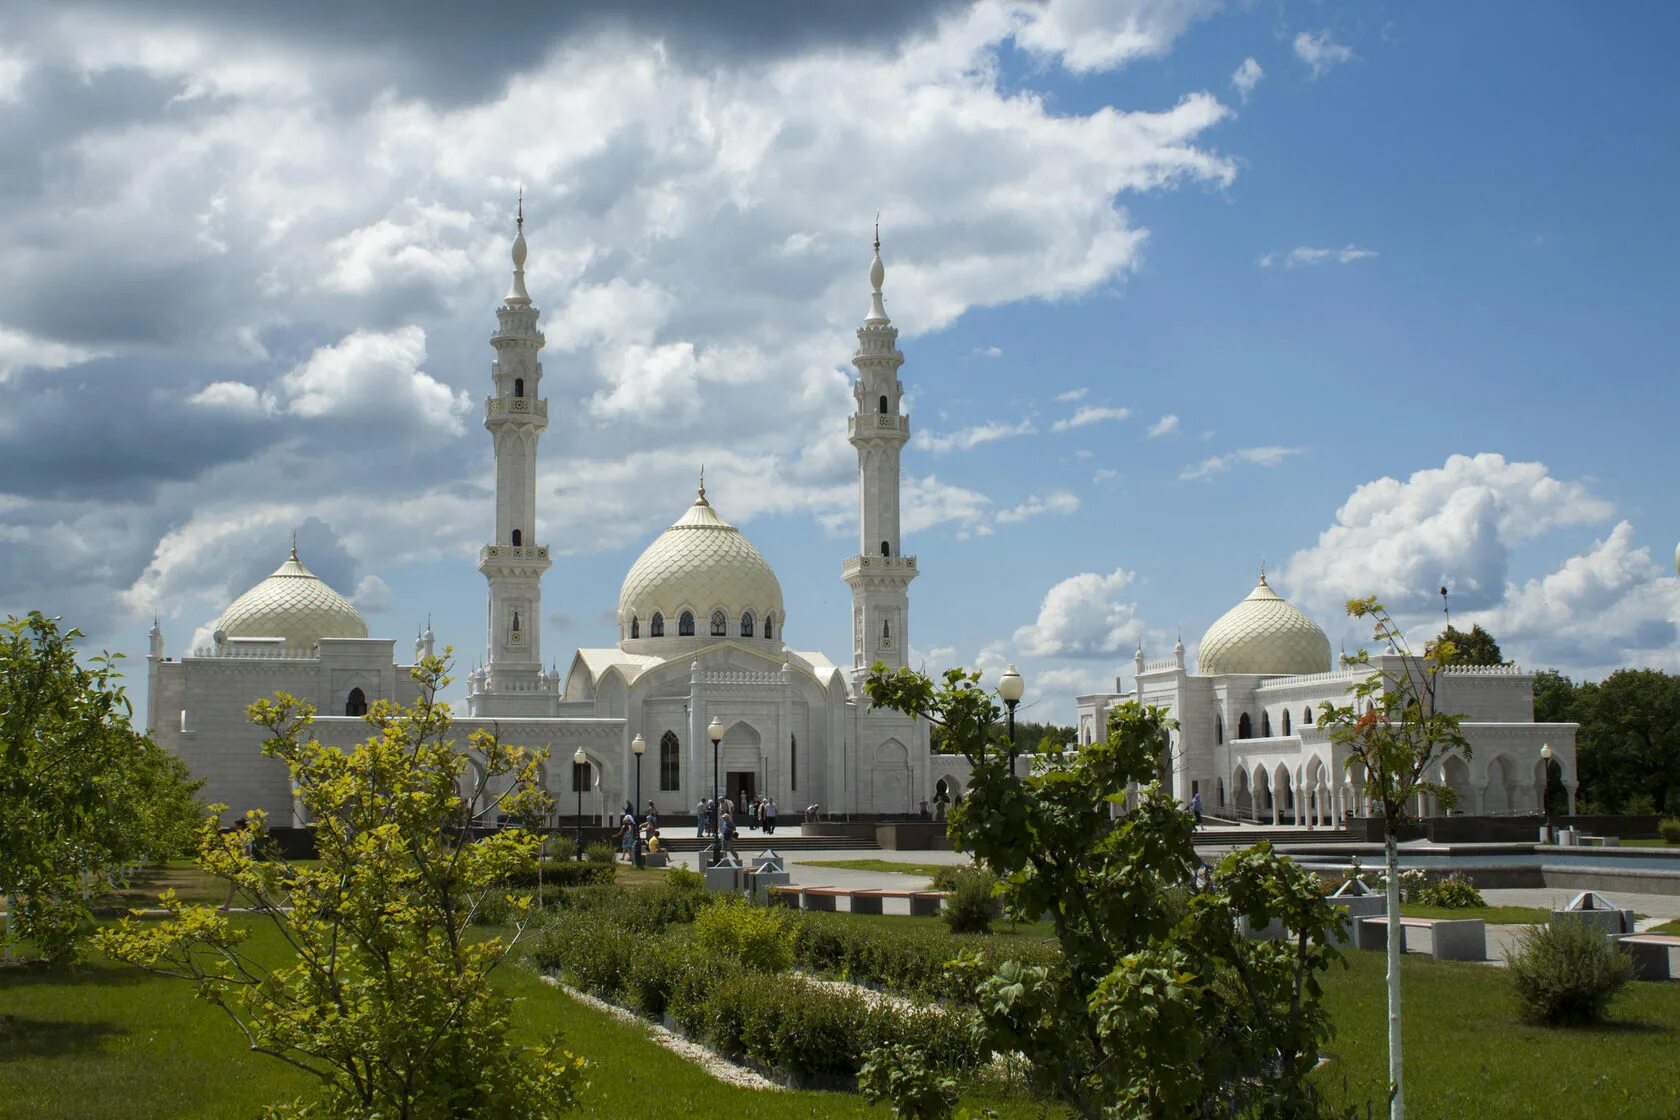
[1648,842]
[1667,927]
[1492,915]
[1468,1055]
[902,867]
[103,1041]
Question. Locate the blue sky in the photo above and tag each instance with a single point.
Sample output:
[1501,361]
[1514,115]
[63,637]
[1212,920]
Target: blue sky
[1427,244]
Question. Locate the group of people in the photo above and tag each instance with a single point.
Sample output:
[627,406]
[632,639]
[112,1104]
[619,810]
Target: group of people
[717,817]
[629,828]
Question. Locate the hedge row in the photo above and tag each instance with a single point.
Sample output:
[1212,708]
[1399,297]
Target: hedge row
[903,958]
[782,1021]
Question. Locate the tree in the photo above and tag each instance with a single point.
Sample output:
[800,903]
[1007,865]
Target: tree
[84,798]
[1477,647]
[1629,742]
[1029,736]
[385,998]
[1158,1007]
[1396,735]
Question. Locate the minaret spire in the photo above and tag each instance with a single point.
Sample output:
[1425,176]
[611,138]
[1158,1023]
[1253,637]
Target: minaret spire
[880,573]
[512,682]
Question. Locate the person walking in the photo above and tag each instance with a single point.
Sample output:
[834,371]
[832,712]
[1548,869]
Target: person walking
[700,817]
[1196,807]
[924,809]
[770,815]
[752,815]
[728,836]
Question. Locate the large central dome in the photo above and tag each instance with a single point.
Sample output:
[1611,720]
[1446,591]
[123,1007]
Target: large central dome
[294,604]
[704,568]
[1263,634]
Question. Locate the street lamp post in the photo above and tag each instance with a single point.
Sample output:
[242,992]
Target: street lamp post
[638,747]
[579,759]
[714,731]
[1546,789]
[1010,687]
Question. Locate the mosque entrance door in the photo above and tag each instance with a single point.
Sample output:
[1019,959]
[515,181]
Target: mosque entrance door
[740,787]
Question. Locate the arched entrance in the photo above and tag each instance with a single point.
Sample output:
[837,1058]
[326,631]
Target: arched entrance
[890,778]
[741,759]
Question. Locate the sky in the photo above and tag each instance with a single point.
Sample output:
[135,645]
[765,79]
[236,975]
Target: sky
[1379,295]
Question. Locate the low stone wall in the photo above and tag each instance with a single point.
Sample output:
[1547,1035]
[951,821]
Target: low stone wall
[1494,830]
[860,829]
[913,836]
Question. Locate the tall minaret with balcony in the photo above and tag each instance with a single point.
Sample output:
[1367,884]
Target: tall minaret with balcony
[880,574]
[514,562]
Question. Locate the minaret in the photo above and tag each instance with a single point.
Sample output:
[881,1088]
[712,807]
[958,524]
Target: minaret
[880,574]
[514,562]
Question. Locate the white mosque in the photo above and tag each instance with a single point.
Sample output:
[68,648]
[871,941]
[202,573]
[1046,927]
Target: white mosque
[1247,743]
[703,635]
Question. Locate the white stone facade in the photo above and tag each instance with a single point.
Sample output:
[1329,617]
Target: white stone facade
[1248,743]
[796,728]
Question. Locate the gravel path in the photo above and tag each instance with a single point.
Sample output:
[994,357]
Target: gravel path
[721,1068]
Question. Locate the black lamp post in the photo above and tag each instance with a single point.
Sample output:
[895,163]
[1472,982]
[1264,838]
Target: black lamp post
[714,731]
[638,747]
[578,778]
[1010,687]
[1546,789]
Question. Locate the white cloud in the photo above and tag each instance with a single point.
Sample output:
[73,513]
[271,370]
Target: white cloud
[1320,51]
[14,68]
[1452,525]
[1072,395]
[1058,501]
[1104,474]
[1608,607]
[965,438]
[1090,414]
[20,350]
[1086,615]
[988,352]
[1253,456]
[1165,426]
[233,397]
[1087,35]
[369,374]
[1306,255]
[929,502]
[1245,77]
[372,595]
[428,244]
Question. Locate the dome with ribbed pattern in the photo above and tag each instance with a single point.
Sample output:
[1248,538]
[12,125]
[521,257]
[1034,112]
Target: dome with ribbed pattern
[1263,634]
[700,564]
[295,604]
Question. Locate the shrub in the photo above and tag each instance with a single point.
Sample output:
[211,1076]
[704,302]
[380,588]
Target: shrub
[1639,805]
[1567,973]
[1455,892]
[1669,828]
[897,1075]
[755,937]
[590,951]
[654,971]
[564,873]
[972,903]
[946,877]
[907,958]
[600,851]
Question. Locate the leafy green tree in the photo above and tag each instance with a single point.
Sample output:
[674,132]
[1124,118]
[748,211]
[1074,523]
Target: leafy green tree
[1029,736]
[386,997]
[1395,735]
[1477,647]
[1158,1007]
[1629,742]
[84,798]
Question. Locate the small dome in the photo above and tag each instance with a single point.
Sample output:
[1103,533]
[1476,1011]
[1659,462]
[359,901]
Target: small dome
[1263,634]
[293,604]
[700,564]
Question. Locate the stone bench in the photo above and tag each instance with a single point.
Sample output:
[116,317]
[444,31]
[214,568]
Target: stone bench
[655,859]
[1450,939]
[822,898]
[787,896]
[1650,952]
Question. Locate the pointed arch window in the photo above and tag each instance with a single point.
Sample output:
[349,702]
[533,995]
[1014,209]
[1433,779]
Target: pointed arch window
[886,549]
[883,404]
[886,629]
[793,762]
[769,626]
[1218,729]
[519,386]
[1306,716]
[356,703]
[747,628]
[670,761]
[656,626]
[1245,728]
[1286,727]
[720,624]
[635,627]
[518,538]
[1265,725]
[685,624]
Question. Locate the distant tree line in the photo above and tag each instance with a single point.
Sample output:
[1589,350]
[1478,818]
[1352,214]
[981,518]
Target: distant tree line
[1030,735]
